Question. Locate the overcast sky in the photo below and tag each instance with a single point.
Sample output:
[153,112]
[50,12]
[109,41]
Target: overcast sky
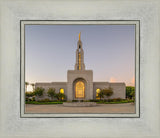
[109,50]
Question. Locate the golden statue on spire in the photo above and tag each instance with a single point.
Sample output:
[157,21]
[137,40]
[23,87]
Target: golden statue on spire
[80,36]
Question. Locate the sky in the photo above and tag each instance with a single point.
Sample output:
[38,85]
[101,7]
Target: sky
[109,50]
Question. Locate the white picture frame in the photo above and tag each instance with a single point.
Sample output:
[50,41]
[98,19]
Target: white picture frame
[136,23]
[13,125]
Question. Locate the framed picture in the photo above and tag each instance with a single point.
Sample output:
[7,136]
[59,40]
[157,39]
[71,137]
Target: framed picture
[82,95]
[19,22]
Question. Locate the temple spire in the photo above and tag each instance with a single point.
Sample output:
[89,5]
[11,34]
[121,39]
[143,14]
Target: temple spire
[79,55]
[80,36]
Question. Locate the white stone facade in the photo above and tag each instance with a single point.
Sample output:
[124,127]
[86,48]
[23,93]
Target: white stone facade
[90,91]
[75,75]
[79,74]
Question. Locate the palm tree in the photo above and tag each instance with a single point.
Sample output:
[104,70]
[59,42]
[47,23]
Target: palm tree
[26,84]
[33,86]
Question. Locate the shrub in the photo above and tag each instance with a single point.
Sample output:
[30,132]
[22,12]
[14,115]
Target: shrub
[33,98]
[29,99]
[39,91]
[44,100]
[36,102]
[100,95]
[110,100]
[59,96]
[132,94]
[74,100]
[26,99]
[86,100]
[117,100]
[107,92]
[94,100]
[29,94]
[64,100]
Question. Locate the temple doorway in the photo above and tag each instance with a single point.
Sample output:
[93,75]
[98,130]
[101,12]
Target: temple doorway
[79,90]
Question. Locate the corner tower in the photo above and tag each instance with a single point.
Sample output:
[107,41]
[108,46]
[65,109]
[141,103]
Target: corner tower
[79,55]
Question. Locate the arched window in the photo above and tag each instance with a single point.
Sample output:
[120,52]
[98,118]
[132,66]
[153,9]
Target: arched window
[79,89]
[97,92]
[61,91]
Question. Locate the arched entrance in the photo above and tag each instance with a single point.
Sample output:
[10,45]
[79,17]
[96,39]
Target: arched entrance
[79,89]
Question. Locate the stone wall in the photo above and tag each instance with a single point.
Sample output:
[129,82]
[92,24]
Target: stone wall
[73,75]
[46,86]
[99,85]
[119,89]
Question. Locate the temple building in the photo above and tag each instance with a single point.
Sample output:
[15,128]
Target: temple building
[80,83]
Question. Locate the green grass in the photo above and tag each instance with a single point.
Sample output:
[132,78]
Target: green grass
[115,102]
[99,102]
[35,102]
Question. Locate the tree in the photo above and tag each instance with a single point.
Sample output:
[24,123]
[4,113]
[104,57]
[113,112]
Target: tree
[29,95]
[60,96]
[26,84]
[107,92]
[39,91]
[130,92]
[51,93]
[33,85]
[100,95]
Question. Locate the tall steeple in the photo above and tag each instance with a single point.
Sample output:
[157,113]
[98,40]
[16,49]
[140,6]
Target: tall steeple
[80,36]
[79,55]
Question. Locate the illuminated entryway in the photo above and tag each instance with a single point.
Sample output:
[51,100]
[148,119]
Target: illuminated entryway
[79,89]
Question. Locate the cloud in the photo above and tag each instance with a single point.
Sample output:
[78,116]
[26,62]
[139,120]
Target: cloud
[112,79]
[133,81]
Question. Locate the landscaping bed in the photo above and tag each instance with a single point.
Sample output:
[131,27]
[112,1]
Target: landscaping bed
[115,102]
[110,101]
[35,102]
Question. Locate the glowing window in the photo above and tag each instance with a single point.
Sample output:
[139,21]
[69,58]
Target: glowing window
[79,89]
[97,92]
[61,91]
[79,61]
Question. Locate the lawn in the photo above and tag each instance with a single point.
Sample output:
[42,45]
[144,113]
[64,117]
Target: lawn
[98,102]
[35,102]
[115,102]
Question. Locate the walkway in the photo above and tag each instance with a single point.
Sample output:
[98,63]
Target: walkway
[100,108]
